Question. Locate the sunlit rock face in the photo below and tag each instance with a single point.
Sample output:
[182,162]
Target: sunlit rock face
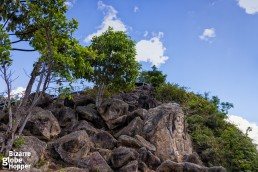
[165,128]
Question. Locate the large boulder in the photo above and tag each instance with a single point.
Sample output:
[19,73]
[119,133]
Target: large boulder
[74,146]
[145,143]
[140,97]
[100,138]
[95,162]
[66,117]
[123,155]
[148,158]
[165,129]
[128,141]
[180,167]
[44,100]
[90,114]
[114,112]
[33,145]
[78,99]
[130,167]
[186,167]
[43,124]
[135,127]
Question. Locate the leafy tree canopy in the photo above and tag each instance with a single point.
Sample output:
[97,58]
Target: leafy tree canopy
[115,65]
[154,77]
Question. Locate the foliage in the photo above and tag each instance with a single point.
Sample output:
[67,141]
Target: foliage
[4,48]
[115,65]
[154,77]
[215,140]
[18,142]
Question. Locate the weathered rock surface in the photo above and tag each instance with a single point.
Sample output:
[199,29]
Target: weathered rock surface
[74,146]
[95,162]
[140,97]
[130,167]
[35,147]
[114,112]
[78,99]
[148,158]
[90,114]
[135,127]
[128,133]
[44,101]
[122,155]
[43,124]
[165,129]
[100,138]
[186,167]
[66,117]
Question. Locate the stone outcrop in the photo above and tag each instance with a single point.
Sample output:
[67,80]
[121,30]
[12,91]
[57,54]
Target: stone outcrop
[130,132]
[43,124]
[141,97]
[165,129]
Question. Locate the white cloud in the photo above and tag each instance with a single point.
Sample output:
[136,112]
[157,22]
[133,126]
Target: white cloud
[70,3]
[146,33]
[110,19]
[250,6]
[208,34]
[18,92]
[136,9]
[242,124]
[151,50]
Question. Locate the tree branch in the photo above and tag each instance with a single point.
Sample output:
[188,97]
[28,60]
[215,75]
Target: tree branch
[18,49]
[18,41]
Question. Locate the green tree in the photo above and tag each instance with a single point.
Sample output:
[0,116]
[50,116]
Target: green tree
[154,77]
[115,66]
[61,56]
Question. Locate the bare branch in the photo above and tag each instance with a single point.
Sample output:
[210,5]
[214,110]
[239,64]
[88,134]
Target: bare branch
[18,49]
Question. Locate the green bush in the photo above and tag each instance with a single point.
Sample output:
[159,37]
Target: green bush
[217,142]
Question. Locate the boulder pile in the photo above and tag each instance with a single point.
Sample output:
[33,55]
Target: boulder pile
[128,133]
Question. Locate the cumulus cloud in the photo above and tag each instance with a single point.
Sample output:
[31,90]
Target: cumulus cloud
[146,33]
[151,50]
[70,3]
[17,93]
[243,124]
[208,34]
[136,9]
[250,6]
[110,19]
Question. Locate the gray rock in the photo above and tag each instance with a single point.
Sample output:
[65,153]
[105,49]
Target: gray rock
[122,155]
[78,99]
[67,117]
[165,129]
[135,127]
[95,162]
[43,102]
[74,146]
[180,167]
[101,138]
[145,143]
[130,167]
[43,124]
[73,169]
[128,141]
[114,112]
[106,154]
[90,114]
[33,145]
[148,158]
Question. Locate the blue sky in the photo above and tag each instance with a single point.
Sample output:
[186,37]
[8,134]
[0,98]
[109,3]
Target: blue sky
[206,45]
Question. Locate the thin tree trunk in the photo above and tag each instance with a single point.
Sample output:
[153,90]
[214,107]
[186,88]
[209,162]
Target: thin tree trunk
[34,74]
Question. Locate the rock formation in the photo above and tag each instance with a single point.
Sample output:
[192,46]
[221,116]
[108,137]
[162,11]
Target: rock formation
[128,133]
